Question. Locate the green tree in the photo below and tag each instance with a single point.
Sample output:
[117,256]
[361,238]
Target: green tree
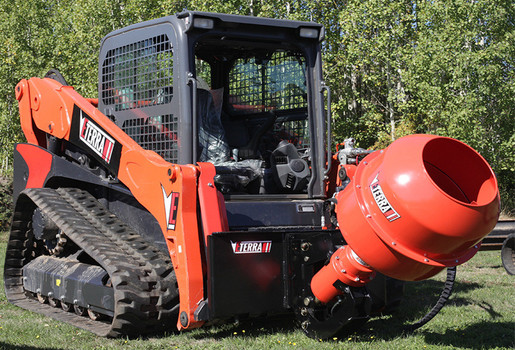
[442,67]
[38,35]
[366,62]
[463,79]
[394,67]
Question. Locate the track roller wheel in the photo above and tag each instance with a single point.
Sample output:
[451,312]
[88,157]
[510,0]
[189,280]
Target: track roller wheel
[66,306]
[54,302]
[79,310]
[95,316]
[42,299]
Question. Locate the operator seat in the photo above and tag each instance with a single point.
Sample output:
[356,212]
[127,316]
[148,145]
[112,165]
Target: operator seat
[212,142]
[232,176]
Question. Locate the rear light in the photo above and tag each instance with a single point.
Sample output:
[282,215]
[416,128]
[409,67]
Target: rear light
[203,23]
[310,33]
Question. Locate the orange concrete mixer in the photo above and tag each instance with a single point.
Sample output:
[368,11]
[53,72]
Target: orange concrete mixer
[422,204]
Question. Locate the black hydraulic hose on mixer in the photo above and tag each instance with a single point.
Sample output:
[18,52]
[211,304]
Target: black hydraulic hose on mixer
[444,296]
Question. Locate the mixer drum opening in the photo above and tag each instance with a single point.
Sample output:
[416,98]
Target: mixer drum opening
[459,171]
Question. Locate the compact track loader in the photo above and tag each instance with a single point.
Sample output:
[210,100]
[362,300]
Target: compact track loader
[201,186]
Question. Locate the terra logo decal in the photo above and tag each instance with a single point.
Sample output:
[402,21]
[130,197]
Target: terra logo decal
[96,138]
[250,247]
[382,202]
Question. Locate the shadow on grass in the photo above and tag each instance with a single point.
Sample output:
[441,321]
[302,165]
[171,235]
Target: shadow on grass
[250,327]
[6,346]
[419,299]
[481,335]
[430,290]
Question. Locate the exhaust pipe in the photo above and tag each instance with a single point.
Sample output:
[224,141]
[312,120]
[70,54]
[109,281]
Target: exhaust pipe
[411,210]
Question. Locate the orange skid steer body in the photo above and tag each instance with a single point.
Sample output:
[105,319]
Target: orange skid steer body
[201,186]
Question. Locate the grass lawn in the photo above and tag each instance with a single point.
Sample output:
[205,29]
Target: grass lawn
[479,315]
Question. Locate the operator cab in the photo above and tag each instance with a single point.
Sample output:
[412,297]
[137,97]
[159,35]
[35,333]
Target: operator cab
[255,98]
[252,115]
[242,93]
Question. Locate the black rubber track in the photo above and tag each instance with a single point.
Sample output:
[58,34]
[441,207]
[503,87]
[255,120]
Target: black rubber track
[145,286]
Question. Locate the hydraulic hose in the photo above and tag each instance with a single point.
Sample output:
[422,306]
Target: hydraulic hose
[444,296]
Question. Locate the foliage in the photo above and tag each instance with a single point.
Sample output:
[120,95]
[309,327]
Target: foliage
[394,67]
[38,35]
[6,190]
